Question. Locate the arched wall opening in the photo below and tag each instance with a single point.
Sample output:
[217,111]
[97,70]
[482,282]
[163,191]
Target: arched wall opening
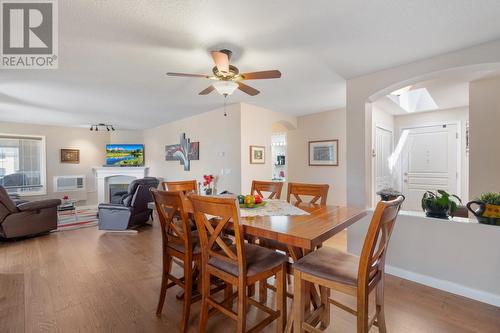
[420,135]
[279,150]
[363,90]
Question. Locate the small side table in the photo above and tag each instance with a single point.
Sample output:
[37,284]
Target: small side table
[68,205]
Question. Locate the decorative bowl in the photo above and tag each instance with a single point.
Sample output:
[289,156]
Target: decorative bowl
[252,206]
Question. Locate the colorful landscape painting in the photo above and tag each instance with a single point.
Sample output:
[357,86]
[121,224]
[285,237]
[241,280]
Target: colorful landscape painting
[125,155]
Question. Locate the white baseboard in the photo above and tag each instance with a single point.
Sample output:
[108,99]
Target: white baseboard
[451,287]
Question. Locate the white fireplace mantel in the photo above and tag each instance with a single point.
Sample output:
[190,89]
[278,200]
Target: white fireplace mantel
[102,175]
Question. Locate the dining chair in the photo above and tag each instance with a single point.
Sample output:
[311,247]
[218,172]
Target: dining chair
[186,186]
[297,191]
[274,188]
[178,242]
[349,274]
[240,265]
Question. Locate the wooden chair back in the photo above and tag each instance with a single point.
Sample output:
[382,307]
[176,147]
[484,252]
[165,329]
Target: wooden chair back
[186,186]
[316,191]
[372,259]
[224,211]
[274,188]
[169,205]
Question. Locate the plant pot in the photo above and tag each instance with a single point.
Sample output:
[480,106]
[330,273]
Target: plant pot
[485,213]
[389,197]
[437,213]
[488,220]
[389,194]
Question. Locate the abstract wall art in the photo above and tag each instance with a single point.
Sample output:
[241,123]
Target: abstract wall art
[184,152]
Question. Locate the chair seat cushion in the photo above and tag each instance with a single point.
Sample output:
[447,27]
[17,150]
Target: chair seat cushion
[259,259]
[330,264]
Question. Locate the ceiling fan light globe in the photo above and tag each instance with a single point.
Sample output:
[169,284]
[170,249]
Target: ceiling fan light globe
[225,88]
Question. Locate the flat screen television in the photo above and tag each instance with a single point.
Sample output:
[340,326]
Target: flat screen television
[124,155]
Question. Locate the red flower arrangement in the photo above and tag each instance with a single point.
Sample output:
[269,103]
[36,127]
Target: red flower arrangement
[66,197]
[208,180]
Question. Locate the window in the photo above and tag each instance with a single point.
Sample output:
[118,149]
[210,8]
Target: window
[22,164]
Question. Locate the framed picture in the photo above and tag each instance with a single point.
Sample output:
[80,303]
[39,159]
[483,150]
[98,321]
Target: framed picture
[257,155]
[70,156]
[324,152]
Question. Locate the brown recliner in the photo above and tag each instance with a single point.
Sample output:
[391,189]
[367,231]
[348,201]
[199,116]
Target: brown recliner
[26,218]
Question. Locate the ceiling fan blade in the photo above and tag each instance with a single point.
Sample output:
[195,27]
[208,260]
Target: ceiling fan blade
[188,75]
[207,91]
[273,74]
[247,89]
[221,61]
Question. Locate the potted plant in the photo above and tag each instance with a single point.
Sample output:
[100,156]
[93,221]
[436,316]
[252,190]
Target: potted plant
[440,204]
[488,210]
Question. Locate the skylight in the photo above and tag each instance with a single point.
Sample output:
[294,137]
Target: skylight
[413,100]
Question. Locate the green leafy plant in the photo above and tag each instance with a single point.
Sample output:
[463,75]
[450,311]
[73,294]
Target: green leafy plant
[440,203]
[491,198]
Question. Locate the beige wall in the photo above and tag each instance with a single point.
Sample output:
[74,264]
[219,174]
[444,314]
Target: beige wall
[319,126]
[92,153]
[484,104]
[457,257]
[256,129]
[382,118]
[126,137]
[220,148]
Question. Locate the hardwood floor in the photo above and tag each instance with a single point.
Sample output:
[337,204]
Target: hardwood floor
[87,281]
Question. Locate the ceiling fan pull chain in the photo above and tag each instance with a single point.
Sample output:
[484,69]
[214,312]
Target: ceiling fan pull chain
[225,101]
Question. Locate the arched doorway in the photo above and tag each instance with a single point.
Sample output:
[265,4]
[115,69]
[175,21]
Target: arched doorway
[362,91]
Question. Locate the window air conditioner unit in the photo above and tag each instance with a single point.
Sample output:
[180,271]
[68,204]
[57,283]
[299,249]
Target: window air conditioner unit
[69,183]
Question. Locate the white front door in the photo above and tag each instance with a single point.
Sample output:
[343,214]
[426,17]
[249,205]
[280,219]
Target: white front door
[430,162]
[383,150]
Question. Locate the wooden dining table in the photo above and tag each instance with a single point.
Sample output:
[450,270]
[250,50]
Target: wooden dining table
[304,232]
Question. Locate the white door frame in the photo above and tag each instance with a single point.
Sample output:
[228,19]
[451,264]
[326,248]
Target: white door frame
[374,164]
[458,123]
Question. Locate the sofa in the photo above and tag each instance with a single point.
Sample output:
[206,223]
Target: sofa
[26,218]
[131,210]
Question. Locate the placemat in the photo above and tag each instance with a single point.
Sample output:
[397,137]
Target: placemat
[273,208]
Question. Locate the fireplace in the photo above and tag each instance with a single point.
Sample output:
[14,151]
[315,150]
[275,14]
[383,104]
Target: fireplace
[116,189]
[113,179]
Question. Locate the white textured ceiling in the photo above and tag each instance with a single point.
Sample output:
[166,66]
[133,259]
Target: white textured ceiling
[114,54]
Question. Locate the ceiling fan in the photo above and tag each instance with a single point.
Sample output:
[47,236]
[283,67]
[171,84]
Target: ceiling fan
[228,77]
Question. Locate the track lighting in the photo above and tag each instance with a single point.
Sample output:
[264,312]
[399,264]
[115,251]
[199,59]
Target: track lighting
[102,126]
